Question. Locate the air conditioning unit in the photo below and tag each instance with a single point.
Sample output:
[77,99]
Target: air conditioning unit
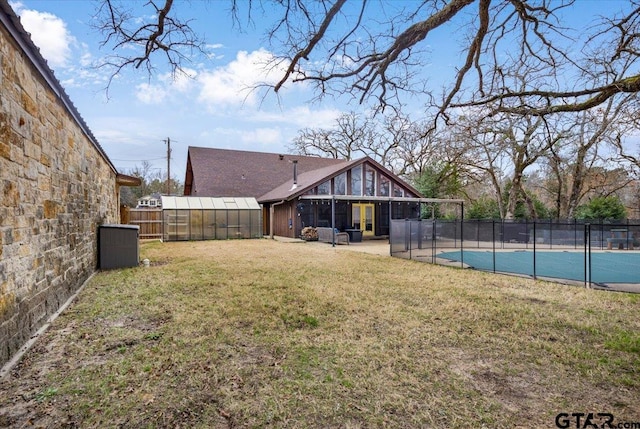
[118,246]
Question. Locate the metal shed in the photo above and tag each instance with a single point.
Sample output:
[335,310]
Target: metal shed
[209,218]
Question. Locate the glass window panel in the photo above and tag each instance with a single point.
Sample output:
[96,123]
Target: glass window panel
[221,225]
[397,191]
[169,225]
[244,224]
[368,218]
[208,224]
[369,181]
[256,223]
[340,184]
[182,225]
[324,188]
[356,217]
[195,227]
[233,226]
[384,186]
[356,180]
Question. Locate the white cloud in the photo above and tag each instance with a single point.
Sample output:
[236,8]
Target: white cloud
[86,59]
[235,84]
[300,117]
[262,136]
[169,84]
[49,33]
[182,81]
[150,94]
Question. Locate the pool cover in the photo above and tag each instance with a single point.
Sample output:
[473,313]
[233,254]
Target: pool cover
[606,267]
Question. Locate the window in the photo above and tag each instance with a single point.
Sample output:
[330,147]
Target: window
[384,186]
[356,180]
[369,181]
[324,188]
[397,191]
[340,184]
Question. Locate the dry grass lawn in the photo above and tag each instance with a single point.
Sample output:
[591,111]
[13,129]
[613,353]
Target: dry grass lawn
[260,333]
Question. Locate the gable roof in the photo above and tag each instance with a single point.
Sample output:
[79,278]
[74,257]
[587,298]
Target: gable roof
[234,173]
[265,176]
[306,181]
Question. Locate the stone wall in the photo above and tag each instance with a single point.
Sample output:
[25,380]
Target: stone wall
[55,189]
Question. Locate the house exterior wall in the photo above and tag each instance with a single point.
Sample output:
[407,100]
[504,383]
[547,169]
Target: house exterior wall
[55,189]
[281,215]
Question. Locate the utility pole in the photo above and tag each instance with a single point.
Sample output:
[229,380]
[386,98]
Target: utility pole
[168,142]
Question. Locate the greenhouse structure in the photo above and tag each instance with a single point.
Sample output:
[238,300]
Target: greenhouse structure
[209,218]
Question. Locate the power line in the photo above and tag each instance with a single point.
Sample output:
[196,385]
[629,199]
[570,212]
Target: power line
[137,160]
[129,168]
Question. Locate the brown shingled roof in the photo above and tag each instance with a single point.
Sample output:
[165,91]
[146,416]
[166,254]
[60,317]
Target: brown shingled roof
[225,173]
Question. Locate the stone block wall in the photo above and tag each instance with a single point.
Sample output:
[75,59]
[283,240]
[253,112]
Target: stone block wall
[55,189]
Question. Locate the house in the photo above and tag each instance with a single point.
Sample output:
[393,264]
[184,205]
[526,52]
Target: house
[57,186]
[297,191]
[153,201]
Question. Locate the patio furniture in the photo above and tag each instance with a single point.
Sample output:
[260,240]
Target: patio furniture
[326,235]
[621,238]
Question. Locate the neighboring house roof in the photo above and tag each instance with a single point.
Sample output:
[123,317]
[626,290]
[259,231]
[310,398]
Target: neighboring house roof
[13,25]
[154,196]
[234,173]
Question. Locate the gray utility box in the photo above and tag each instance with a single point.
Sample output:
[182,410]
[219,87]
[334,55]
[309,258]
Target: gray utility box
[118,246]
[355,235]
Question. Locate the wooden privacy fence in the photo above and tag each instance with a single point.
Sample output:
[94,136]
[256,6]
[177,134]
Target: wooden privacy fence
[149,221]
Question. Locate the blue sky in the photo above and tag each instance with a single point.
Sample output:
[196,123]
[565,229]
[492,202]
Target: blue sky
[213,109]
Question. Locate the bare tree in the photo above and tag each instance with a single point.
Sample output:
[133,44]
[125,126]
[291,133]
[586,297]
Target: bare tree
[403,145]
[606,68]
[400,144]
[351,134]
[519,62]
[583,161]
[501,150]
[377,50]
[134,41]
